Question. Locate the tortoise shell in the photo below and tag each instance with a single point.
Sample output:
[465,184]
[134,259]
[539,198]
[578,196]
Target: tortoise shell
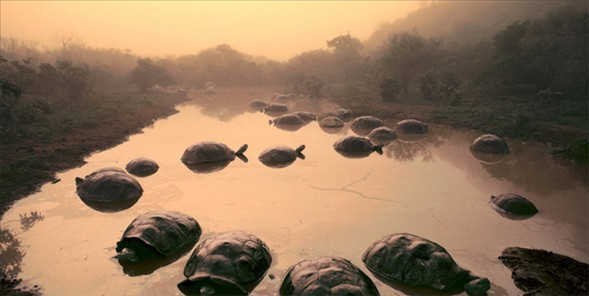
[416,261]
[514,204]
[280,156]
[382,135]
[142,167]
[489,143]
[108,184]
[230,263]
[412,126]
[207,151]
[326,276]
[166,232]
[363,125]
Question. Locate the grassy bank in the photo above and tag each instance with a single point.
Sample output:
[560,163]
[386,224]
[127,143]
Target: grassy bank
[56,136]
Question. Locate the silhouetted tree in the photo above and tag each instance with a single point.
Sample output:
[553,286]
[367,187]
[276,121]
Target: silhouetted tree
[408,54]
[389,89]
[147,74]
[74,78]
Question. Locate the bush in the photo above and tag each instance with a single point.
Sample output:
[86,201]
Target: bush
[389,89]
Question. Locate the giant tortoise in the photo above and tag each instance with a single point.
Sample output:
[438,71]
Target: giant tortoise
[513,206]
[281,156]
[109,189]
[415,261]
[142,167]
[157,234]
[382,135]
[356,147]
[489,143]
[326,276]
[363,125]
[275,109]
[207,156]
[229,263]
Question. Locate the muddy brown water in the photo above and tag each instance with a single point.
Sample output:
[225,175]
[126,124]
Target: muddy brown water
[324,205]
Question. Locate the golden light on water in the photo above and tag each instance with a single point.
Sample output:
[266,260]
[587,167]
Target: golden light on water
[274,29]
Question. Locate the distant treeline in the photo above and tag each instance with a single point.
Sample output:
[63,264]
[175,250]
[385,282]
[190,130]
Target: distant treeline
[545,56]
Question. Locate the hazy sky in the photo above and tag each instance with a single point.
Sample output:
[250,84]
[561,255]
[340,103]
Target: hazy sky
[277,30]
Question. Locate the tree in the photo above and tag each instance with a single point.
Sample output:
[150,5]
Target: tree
[74,79]
[389,89]
[435,85]
[347,59]
[147,74]
[550,52]
[408,54]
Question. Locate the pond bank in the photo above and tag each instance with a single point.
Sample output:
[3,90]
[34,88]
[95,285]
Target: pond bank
[27,165]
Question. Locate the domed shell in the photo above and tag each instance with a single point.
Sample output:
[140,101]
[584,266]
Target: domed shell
[204,152]
[489,143]
[142,167]
[288,119]
[412,126]
[167,232]
[514,204]
[210,91]
[414,261]
[280,156]
[331,122]
[343,114]
[326,276]
[354,143]
[275,108]
[258,105]
[281,99]
[356,147]
[230,262]
[108,185]
[382,135]
[305,116]
[363,125]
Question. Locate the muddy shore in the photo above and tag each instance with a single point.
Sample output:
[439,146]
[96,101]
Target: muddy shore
[26,166]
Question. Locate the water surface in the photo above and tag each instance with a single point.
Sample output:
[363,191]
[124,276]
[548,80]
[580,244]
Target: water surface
[324,205]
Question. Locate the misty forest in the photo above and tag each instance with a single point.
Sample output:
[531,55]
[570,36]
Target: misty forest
[435,118]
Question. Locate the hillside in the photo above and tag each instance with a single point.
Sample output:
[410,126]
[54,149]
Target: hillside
[468,22]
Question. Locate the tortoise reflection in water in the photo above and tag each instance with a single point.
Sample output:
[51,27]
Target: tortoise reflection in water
[230,263]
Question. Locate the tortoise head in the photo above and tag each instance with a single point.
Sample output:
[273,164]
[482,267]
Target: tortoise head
[378,148]
[79,181]
[241,150]
[300,149]
[299,152]
[270,122]
[127,256]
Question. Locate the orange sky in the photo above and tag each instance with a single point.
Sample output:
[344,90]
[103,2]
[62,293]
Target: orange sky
[277,30]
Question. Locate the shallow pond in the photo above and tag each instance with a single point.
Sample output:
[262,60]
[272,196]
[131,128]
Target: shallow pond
[324,205]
